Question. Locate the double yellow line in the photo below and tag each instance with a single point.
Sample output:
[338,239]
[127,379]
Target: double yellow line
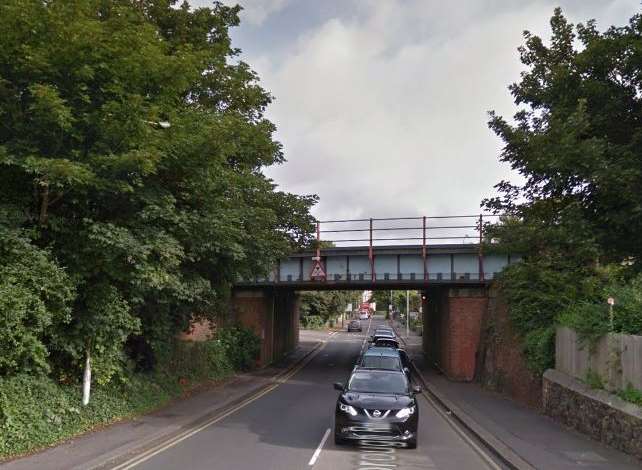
[278,380]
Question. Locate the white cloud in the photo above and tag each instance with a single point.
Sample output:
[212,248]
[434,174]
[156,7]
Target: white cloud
[383,112]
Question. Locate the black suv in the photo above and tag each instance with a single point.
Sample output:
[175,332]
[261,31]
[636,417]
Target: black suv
[377,405]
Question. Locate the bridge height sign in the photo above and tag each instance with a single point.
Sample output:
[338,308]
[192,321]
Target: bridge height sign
[318,273]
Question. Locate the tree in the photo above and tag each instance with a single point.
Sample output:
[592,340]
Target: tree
[382,298]
[326,304]
[35,297]
[576,140]
[132,145]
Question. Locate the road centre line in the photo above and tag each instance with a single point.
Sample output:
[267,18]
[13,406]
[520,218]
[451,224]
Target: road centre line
[131,463]
[317,452]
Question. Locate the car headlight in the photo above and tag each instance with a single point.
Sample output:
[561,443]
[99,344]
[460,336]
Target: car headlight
[405,412]
[348,409]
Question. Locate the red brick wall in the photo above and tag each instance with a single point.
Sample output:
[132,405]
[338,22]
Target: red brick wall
[452,327]
[502,367]
[273,316]
[199,331]
[254,310]
[462,330]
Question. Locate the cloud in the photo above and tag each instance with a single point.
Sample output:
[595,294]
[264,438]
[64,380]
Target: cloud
[381,105]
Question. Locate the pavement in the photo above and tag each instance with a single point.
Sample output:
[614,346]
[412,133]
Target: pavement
[535,438]
[278,425]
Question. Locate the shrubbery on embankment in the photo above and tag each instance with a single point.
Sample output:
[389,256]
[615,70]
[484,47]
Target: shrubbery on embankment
[38,411]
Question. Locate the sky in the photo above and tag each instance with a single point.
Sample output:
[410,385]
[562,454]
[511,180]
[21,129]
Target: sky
[381,105]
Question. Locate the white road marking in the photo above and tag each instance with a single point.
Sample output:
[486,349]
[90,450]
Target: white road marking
[366,337]
[317,452]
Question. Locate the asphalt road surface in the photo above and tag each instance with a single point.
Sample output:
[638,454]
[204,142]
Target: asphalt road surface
[285,429]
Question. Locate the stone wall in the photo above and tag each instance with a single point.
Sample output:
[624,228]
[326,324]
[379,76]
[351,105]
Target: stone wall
[599,414]
[501,366]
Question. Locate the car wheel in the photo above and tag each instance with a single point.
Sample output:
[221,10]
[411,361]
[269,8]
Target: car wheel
[412,443]
[338,440]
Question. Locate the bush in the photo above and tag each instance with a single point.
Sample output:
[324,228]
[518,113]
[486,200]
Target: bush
[590,318]
[36,411]
[241,345]
[195,360]
[631,394]
[312,322]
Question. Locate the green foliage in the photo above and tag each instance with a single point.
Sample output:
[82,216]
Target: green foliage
[326,304]
[594,380]
[312,322]
[35,296]
[631,394]
[576,143]
[241,346]
[576,139]
[35,411]
[382,298]
[591,319]
[151,223]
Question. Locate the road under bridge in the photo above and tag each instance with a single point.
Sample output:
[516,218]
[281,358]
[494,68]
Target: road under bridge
[454,279]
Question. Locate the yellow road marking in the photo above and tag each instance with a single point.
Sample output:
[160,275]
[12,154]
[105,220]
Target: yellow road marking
[187,434]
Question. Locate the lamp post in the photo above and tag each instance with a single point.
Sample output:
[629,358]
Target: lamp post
[610,340]
[407,313]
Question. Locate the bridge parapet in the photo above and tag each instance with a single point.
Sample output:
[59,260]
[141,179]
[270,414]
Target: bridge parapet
[390,267]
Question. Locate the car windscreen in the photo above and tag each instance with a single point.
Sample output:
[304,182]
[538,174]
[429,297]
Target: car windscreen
[383,333]
[371,382]
[386,343]
[381,362]
[377,336]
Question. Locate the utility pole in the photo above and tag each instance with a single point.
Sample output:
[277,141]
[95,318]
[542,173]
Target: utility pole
[407,313]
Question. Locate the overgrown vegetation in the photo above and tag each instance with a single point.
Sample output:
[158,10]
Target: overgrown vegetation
[323,306]
[312,322]
[132,191]
[631,394]
[36,410]
[132,195]
[576,219]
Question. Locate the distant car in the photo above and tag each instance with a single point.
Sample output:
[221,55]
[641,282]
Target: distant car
[364,316]
[354,325]
[385,359]
[377,405]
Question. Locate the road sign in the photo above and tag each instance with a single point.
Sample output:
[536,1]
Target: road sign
[610,301]
[317,273]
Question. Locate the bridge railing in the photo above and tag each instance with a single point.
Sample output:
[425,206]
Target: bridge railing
[424,230]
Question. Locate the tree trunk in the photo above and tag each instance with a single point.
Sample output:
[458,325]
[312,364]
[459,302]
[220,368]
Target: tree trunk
[44,203]
[86,383]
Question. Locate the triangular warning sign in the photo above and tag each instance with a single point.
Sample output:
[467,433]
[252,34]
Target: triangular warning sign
[317,271]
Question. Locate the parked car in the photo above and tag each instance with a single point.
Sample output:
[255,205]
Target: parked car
[385,342]
[382,335]
[354,325]
[384,331]
[363,316]
[376,405]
